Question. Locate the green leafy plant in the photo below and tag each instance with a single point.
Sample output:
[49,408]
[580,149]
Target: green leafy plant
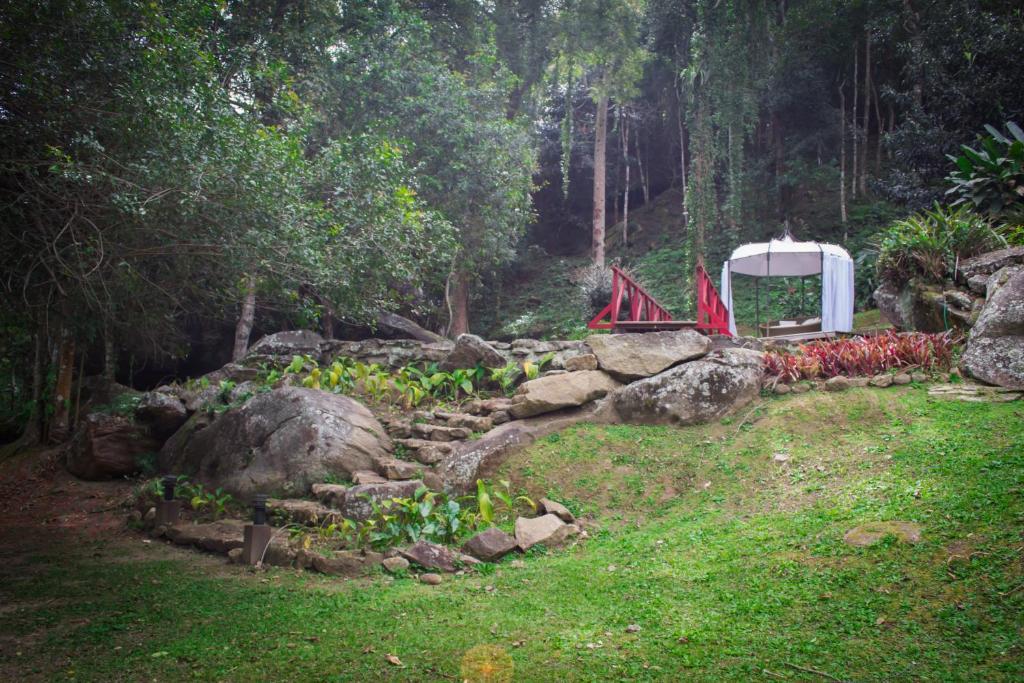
[928,244]
[991,179]
[427,515]
[506,377]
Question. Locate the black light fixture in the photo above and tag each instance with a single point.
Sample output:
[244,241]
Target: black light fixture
[169,482]
[259,509]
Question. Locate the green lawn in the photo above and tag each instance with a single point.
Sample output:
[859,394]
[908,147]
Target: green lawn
[731,564]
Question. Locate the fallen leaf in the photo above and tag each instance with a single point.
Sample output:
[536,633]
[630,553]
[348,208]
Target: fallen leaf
[879,621]
[392,659]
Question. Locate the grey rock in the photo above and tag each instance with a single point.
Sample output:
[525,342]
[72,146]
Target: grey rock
[692,393]
[356,503]
[881,381]
[280,442]
[163,413]
[995,346]
[347,563]
[902,379]
[367,477]
[433,556]
[551,393]
[434,432]
[431,579]
[990,262]
[300,511]
[636,355]
[288,344]
[475,423]
[332,494]
[548,530]
[838,383]
[395,564]
[390,353]
[490,545]
[470,351]
[395,469]
[550,507]
[781,389]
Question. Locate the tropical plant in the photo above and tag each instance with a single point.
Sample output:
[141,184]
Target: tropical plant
[930,243]
[506,377]
[991,180]
[427,515]
[862,356]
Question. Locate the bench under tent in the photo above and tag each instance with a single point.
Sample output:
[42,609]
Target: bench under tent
[786,257]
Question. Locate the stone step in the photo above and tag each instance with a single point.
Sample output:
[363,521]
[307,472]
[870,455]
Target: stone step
[440,433]
[397,470]
[474,422]
[367,477]
[426,452]
[487,406]
[306,512]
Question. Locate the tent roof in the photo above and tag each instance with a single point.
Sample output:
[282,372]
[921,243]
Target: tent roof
[784,257]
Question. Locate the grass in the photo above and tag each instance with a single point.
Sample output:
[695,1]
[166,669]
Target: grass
[731,564]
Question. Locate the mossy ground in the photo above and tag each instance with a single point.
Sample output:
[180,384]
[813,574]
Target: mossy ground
[731,563]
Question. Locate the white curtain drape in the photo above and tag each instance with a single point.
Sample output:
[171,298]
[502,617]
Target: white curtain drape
[726,293]
[837,294]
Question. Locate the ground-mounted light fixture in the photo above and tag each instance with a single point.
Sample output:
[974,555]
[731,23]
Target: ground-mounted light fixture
[168,510]
[256,536]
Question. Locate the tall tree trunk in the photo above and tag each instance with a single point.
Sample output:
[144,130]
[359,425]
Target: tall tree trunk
[891,128]
[600,142]
[60,428]
[459,304]
[682,153]
[913,24]
[624,130]
[246,318]
[644,176]
[880,124]
[853,127]
[863,181]
[842,158]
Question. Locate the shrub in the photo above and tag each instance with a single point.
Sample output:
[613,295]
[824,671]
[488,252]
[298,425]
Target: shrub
[991,180]
[862,356]
[928,244]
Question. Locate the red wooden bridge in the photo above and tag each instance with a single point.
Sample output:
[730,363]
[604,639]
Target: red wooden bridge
[647,315]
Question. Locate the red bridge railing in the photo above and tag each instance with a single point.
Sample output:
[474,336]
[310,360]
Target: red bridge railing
[642,306]
[712,315]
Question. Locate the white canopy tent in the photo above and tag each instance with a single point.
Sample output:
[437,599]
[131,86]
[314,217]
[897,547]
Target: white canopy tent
[788,258]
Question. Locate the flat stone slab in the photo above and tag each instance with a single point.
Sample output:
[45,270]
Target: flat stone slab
[217,537]
[490,545]
[397,470]
[871,533]
[433,556]
[548,530]
[976,393]
[636,355]
[347,563]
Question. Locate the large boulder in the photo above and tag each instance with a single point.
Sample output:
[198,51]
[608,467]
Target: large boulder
[109,446]
[280,442]
[162,412]
[288,344]
[695,392]
[554,392]
[990,262]
[470,351]
[995,348]
[636,355]
[915,306]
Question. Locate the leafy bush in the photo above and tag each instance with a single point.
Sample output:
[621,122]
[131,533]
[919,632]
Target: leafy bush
[991,180]
[928,244]
[862,356]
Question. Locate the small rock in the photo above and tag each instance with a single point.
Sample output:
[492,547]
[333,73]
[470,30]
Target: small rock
[548,530]
[347,563]
[500,417]
[780,457]
[150,516]
[633,628]
[838,383]
[781,389]
[490,545]
[919,377]
[235,556]
[801,388]
[395,469]
[433,556]
[550,507]
[859,382]
[431,579]
[881,381]
[395,564]
[902,379]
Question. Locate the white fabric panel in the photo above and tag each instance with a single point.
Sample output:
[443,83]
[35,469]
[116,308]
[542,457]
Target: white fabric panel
[725,291]
[837,294]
